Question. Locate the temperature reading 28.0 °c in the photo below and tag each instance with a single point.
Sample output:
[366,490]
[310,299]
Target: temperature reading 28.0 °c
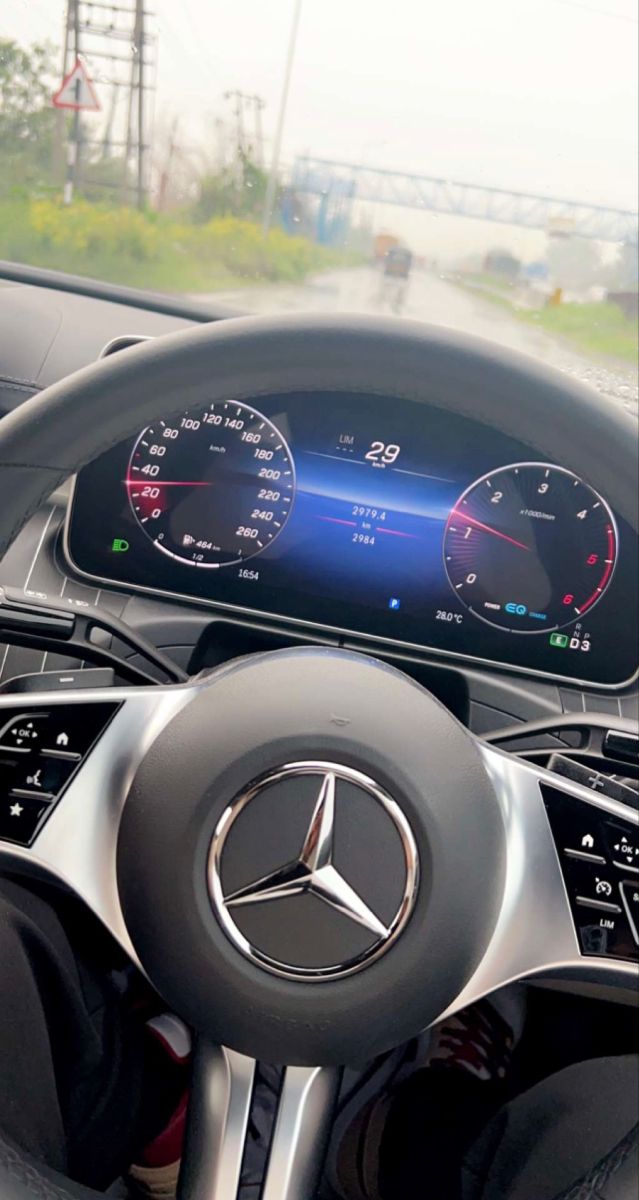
[530,547]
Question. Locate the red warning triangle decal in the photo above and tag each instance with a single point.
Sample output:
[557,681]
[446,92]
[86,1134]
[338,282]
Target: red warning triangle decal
[77,91]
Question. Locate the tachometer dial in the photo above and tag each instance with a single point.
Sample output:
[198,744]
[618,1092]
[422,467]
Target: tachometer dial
[530,547]
[214,486]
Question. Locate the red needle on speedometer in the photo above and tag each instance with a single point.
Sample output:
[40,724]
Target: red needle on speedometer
[487,528]
[171,483]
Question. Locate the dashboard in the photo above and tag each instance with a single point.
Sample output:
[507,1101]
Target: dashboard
[368,515]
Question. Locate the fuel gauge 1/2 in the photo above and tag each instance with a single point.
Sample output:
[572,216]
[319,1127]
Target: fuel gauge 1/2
[530,547]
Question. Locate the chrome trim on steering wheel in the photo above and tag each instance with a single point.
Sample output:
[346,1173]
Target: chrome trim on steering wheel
[77,845]
[215,1151]
[313,872]
[535,935]
[222,1090]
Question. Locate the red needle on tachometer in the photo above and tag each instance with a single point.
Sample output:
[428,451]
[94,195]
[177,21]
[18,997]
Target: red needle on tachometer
[487,529]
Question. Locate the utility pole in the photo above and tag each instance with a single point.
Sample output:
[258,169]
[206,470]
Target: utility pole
[238,97]
[258,108]
[248,146]
[60,119]
[128,143]
[138,51]
[73,147]
[271,190]
[166,171]
[108,128]
[113,34]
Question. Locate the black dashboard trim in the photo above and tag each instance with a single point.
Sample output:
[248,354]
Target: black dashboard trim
[97,289]
[294,623]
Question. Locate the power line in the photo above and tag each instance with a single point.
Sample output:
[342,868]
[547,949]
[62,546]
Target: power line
[247,110]
[91,29]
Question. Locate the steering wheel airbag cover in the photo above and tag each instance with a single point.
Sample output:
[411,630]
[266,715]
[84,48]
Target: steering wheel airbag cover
[258,713]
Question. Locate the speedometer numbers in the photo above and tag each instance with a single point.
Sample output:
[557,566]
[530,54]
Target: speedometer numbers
[212,487]
[530,547]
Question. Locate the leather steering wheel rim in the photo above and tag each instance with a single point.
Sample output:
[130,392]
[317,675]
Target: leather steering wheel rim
[50,436]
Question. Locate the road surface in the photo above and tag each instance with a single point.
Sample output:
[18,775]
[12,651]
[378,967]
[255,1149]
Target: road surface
[430,298]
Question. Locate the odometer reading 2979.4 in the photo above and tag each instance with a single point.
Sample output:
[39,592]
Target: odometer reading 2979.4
[212,487]
[530,547]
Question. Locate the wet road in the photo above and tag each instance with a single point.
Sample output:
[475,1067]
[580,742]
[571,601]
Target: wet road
[430,298]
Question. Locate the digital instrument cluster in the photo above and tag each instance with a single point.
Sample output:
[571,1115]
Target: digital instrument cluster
[379,517]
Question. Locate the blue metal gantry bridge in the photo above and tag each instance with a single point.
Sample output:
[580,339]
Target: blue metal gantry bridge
[338,184]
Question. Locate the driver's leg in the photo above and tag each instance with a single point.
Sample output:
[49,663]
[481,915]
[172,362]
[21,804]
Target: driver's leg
[575,1133]
[70,1055]
[396,1131]
[450,1132]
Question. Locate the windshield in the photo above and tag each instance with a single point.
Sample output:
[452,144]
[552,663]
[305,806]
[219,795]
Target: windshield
[472,165]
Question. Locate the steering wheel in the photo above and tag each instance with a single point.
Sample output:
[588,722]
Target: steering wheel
[303,850]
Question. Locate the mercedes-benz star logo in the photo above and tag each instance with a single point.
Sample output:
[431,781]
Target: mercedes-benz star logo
[313,873]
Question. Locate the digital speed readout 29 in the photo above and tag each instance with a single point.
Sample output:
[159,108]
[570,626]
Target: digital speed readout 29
[526,547]
[383,518]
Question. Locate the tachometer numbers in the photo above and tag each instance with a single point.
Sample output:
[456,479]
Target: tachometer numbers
[530,547]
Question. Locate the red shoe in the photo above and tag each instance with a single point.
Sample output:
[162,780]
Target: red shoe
[155,1175]
[477,1040]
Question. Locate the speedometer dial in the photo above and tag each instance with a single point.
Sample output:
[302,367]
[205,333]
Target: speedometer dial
[530,547]
[212,487]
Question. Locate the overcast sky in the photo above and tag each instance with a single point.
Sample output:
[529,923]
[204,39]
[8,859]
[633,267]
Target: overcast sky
[535,95]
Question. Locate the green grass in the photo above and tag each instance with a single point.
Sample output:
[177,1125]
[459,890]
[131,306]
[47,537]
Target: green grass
[600,329]
[147,250]
[165,273]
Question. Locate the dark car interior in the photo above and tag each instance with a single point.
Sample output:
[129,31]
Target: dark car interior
[237,553]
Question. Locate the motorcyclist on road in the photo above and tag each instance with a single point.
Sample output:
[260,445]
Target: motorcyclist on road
[398,262]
